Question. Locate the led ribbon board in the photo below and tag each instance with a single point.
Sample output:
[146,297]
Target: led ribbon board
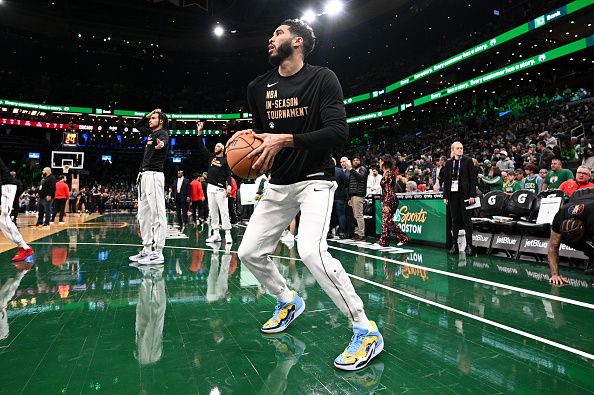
[553,54]
[129,113]
[45,107]
[485,46]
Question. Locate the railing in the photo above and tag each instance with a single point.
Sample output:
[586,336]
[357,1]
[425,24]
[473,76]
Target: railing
[581,126]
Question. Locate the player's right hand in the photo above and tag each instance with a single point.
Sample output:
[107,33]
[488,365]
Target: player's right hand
[154,111]
[558,280]
[199,127]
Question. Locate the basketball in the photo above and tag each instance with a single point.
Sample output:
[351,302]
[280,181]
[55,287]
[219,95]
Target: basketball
[238,149]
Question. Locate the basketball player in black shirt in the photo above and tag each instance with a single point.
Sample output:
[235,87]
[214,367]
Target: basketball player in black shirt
[298,110]
[573,225]
[218,191]
[152,216]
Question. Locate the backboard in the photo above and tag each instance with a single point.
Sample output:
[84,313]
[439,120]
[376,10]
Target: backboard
[75,159]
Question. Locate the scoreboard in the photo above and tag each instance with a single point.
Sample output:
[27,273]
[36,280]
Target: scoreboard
[70,139]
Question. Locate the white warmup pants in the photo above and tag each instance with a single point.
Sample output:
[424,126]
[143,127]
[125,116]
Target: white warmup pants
[277,208]
[217,283]
[217,201]
[8,227]
[152,217]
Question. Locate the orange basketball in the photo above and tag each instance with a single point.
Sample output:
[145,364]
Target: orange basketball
[238,148]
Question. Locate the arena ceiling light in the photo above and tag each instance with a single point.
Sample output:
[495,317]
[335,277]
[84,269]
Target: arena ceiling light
[218,31]
[308,16]
[334,7]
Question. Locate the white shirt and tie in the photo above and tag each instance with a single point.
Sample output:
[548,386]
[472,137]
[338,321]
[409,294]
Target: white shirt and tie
[180,181]
[373,185]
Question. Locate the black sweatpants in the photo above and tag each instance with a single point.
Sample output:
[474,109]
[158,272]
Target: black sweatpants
[59,207]
[181,208]
[198,206]
[460,215]
[232,210]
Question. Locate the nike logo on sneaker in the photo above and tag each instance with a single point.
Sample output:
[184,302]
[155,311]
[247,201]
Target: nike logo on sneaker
[273,84]
[318,190]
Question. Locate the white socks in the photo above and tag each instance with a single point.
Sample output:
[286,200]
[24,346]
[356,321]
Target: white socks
[363,322]
[286,295]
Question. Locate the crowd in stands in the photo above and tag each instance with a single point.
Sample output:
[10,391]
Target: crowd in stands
[505,148]
[545,142]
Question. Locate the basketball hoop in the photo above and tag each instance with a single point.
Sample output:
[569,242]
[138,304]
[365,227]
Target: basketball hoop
[65,168]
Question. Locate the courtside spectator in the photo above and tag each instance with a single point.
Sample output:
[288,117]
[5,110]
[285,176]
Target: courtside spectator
[494,181]
[62,195]
[532,182]
[373,182]
[582,180]
[197,195]
[556,176]
[505,163]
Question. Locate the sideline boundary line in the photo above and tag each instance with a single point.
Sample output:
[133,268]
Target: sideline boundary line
[406,294]
[460,276]
[472,316]
[473,279]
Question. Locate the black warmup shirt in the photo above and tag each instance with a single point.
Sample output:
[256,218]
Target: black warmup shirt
[153,159]
[48,187]
[5,177]
[219,173]
[309,105]
[583,211]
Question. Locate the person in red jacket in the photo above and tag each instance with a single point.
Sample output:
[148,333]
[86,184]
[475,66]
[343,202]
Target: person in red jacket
[62,195]
[232,201]
[582,180]
[197,195]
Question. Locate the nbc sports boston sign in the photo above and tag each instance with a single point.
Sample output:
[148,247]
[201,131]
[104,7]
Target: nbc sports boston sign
[422,216]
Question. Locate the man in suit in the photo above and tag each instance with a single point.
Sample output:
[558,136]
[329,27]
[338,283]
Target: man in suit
[459,190]
[181,195]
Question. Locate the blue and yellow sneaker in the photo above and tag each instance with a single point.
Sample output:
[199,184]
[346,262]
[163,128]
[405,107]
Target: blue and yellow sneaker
[284,314]
[365,345]
[367,380]
[288,348]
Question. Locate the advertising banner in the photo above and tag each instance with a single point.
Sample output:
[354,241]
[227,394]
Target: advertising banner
[422,216]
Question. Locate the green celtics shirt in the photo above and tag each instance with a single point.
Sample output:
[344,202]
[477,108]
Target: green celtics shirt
[555,178]
[532,183]
[494,184]
[513,186]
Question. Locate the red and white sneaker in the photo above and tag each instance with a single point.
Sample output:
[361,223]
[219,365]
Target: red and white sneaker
[23,254]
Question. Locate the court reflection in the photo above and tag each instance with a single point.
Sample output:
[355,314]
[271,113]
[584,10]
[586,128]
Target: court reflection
[7,292]
[287,352]
[150,315]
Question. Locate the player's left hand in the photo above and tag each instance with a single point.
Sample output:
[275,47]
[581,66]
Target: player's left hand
[558,280]
[271,146]
[160,144]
